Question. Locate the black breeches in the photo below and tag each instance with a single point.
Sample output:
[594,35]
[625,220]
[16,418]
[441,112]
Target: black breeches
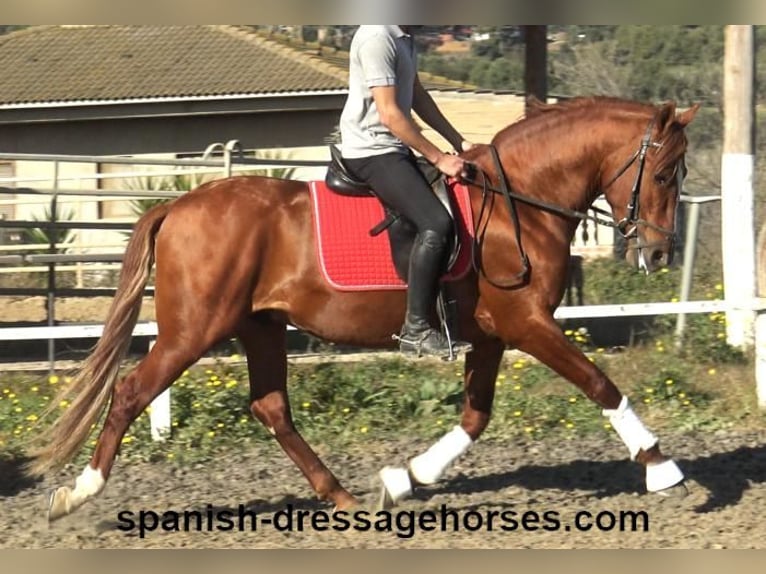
[398,183]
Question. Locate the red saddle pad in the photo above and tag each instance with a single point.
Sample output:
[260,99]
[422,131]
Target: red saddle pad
[352,260]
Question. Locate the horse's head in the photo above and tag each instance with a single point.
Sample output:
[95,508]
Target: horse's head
[642,183]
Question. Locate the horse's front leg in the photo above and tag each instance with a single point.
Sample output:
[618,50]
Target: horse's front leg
[545,341]
[481,367]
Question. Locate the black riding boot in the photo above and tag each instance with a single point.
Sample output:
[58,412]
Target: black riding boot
[418,336]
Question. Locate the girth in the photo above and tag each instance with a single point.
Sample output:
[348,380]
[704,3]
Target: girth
[401,232]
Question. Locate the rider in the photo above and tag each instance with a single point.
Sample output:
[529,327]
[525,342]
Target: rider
[378,135]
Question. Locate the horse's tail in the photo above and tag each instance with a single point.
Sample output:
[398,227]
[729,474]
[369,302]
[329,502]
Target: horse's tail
[91,389]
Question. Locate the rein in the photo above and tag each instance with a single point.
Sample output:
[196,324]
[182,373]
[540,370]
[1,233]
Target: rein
[602,217]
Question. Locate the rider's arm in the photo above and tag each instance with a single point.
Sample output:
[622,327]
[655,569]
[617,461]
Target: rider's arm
[404,128]
[424,105]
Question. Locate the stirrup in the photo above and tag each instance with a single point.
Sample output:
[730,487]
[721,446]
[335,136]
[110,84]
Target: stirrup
[409,344]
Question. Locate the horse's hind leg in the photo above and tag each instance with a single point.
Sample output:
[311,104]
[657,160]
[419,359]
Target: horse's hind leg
[155,373]
[546,342]
[265,343]
[481,367]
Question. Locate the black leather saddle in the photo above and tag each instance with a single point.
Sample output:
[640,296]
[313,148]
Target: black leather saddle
[401,232]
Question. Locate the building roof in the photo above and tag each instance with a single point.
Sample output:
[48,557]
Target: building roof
[108,63]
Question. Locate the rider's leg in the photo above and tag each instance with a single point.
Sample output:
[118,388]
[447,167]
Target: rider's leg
[399,184]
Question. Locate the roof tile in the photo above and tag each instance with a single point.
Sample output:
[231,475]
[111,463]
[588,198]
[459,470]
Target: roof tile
[108,62]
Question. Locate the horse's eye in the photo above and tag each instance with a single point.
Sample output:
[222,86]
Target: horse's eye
[666,176]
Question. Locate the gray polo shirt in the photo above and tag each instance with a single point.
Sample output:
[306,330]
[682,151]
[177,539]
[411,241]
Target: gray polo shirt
[379,56]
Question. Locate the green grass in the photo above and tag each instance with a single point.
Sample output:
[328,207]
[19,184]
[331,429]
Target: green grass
[336,404]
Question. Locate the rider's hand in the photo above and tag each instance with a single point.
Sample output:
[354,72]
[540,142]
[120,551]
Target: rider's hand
[451,165]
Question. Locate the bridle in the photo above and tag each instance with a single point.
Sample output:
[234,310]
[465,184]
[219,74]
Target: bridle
[627,226]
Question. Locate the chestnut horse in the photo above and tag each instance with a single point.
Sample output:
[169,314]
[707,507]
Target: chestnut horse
[237,258]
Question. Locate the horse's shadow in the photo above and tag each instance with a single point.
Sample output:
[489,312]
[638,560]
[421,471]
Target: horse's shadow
[726,476]
[13,479]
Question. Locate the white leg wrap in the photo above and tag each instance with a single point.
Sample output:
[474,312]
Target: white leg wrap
[87,485]
[630,428]
[663,475]
[428,467]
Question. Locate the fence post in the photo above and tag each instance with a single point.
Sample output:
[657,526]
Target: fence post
[690,249]
[760,320]
[231,146]
[737,171]
[51,299]
[760,358]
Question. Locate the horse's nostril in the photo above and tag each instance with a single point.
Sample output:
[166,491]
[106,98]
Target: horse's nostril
[658,257]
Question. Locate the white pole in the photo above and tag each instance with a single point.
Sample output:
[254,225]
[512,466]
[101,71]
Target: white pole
[159,413]
[760,322]
[760,359]
[737,226]
[690,249]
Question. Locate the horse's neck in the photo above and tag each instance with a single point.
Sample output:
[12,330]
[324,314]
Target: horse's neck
[573,175]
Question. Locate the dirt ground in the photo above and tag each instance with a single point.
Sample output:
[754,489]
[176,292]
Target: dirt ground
[724,507]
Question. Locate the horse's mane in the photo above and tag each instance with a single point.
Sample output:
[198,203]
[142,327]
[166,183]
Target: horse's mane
[536,107]
[542,116]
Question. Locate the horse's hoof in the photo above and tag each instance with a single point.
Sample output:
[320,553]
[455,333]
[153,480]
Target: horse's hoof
[58,503]
[346,505]
[395,486]
[679,490]
[385,502]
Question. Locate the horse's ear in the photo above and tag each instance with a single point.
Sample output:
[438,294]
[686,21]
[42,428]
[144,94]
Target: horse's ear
[535,106]
[666,115]
[686,117]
